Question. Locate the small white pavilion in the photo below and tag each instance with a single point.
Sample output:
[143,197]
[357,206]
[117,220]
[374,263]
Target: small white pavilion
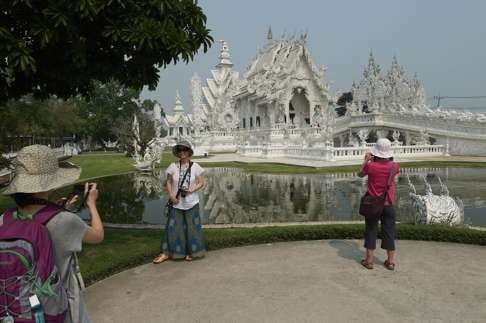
[179,124]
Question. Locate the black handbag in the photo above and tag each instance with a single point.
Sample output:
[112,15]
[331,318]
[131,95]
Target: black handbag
[372,206]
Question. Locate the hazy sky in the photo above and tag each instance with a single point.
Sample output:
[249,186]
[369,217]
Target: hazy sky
[443,41]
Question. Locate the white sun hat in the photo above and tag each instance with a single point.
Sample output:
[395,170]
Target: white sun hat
[382,148]
[37,169]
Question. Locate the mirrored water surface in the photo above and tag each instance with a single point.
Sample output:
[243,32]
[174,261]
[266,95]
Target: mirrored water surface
[232,196]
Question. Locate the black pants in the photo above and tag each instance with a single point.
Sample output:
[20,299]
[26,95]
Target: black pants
[387,230]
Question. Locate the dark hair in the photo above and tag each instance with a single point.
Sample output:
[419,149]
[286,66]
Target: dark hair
[375,158]
[25,199]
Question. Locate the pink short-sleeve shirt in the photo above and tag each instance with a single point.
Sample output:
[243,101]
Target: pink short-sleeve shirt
[377,176]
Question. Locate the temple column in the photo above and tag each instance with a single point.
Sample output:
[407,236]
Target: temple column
[407,138]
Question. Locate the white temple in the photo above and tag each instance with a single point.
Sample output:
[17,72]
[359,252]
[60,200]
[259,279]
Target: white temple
[281,107]
[180,124]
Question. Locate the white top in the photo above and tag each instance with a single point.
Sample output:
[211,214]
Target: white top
[191,199]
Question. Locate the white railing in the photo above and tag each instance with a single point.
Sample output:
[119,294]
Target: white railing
[436,124]
[336,153]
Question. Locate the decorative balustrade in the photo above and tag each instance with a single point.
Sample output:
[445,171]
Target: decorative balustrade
[330,153]
[434,123]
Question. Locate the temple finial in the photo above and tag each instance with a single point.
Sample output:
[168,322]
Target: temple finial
[224,55]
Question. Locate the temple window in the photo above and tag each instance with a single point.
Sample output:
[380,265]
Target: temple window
[244,123]
[251,122]
[171,131]
[257,121]
[181,131]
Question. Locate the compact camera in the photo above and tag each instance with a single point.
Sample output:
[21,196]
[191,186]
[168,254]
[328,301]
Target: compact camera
[184,190]
[79,190]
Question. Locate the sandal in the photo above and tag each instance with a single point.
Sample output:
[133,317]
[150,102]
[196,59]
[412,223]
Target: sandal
[160,258]
[367,265]
[188,258]
[389,265]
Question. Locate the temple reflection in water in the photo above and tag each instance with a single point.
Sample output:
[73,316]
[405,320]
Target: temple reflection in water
[232,196]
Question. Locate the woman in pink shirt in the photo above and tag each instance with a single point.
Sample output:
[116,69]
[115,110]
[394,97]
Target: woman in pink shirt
[377,166]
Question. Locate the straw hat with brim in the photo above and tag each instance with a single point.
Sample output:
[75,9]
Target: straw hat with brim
[37,169]
[382,148]
[182,143]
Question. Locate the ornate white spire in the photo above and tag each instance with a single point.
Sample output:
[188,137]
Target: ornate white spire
[200,117]
[373,69]
[269,34]
[178,103]
[224,55]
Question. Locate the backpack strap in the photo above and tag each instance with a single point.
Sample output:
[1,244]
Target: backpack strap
[45,214]
[7,216]
[42,216]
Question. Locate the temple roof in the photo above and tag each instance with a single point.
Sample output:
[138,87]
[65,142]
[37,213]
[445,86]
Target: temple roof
[177,120]
[277,63]
[180,118]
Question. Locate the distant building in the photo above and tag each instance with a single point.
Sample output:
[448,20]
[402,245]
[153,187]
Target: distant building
[179,124]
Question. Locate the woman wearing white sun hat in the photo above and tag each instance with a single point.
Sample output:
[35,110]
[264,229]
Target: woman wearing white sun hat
[378,165]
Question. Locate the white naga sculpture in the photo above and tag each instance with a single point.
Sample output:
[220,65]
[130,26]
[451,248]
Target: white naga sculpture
[436,209]
[146,161]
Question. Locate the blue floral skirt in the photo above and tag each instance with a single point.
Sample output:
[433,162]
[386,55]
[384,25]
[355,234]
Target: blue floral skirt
[183,234]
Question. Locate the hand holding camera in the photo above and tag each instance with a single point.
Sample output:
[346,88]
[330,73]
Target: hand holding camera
[174,199]
[91,193]
[368,156]
[81,194]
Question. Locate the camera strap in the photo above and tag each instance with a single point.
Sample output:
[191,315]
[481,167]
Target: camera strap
[188,171]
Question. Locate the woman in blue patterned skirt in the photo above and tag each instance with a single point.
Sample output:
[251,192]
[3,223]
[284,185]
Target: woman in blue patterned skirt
[183,237]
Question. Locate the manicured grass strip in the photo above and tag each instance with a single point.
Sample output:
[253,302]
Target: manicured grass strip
[444,164]
[96,165]
[123,249]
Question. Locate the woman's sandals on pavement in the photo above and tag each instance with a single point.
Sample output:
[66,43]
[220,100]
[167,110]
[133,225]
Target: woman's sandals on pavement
[389,265]
[367,265]
[160,258]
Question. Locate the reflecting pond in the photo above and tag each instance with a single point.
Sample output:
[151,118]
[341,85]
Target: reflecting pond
[233,196]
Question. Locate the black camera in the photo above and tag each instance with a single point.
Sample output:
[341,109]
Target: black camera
[183,193]
[79,190]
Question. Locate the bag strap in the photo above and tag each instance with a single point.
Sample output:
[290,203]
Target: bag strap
[45,214]
[183,178]
[385,194]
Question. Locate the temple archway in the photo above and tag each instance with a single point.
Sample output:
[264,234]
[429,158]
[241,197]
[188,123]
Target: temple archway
[299,108]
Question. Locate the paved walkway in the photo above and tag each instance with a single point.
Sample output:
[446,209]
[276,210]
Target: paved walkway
[308,281]
[318,163]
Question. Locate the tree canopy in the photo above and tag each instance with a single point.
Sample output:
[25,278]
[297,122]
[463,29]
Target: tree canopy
[59,47]
[346,97]
[104,117]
